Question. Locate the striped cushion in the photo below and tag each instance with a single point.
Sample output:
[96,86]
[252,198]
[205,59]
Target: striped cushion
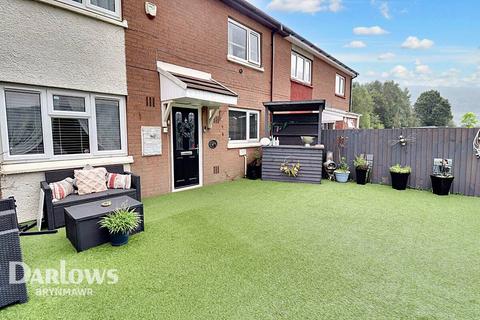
[61,189]
[119,181]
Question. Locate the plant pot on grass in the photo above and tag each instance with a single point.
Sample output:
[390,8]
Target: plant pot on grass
[361,169]
[254,168]
[120,224]
[343,171]
[442,178]
[441,185]
[400,176]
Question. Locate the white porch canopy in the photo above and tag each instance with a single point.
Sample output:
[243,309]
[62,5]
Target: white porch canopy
[185,86]
[331,116]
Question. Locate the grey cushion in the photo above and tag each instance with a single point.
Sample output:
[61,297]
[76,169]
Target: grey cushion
[73,198]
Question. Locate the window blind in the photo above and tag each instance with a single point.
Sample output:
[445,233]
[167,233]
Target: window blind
[70,136]
[108,124]
[24,122]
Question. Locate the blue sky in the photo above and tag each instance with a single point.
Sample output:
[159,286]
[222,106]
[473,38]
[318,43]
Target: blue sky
[433,43]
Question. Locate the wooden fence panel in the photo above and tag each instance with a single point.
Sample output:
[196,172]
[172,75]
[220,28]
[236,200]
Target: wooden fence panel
[427,144]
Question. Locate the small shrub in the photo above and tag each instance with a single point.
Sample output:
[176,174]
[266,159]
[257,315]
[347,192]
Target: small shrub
[360,163]
[399,169]
[122,220]
[343,166]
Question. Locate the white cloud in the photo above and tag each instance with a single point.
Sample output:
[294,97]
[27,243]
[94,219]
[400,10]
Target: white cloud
[383,7]
[423,69]
[356,44]
[385,10]
[400,71]
[415,43]
[306,6]
[369,31]
[335,5]
[386,56]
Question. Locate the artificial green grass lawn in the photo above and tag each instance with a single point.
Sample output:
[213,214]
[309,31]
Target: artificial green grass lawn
[262,250]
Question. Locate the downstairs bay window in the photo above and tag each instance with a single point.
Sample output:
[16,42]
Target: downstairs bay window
[48,124]
[243,126]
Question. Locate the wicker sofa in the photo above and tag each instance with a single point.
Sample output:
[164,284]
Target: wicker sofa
[54,211]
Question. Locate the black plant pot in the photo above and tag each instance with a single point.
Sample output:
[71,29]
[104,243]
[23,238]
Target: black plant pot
[441,185]
[399,180]
[119,239]
[361,175]
[254,171]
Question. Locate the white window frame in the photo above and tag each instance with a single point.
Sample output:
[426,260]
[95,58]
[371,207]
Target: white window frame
[123,125]
[47,112]
[4,125]
[87,5]
[338,85]
[250,32]
[294,74]
[248,113]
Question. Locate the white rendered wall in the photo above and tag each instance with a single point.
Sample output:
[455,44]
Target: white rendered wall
[48,46]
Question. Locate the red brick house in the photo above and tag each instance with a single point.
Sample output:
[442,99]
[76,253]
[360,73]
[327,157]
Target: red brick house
[197,75]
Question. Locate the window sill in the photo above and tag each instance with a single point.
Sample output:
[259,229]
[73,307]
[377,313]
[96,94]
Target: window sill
[44,165]
[239,145]
[245,64]
[91,14]
[340,96]
[306,84]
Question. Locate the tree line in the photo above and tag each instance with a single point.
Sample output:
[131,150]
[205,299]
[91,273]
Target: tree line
[387,105]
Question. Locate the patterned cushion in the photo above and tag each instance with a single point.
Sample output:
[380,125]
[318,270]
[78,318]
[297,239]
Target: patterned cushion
[119,181]
[91,180]
[61,189]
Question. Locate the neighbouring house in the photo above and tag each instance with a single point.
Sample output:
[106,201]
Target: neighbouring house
[198,73]
[63,91]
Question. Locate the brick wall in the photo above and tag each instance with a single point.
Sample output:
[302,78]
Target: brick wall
[323,82]
[197,38]
[194,38]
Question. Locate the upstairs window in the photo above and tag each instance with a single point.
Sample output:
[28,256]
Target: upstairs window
[340,85]
[107,7]
[243,43]
[301,68]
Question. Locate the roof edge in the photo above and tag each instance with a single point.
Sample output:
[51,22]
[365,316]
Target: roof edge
[258,15]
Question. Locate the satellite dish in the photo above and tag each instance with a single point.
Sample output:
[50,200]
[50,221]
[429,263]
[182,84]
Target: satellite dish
[265,142]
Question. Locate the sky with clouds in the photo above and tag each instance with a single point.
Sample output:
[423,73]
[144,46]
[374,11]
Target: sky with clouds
[414,42]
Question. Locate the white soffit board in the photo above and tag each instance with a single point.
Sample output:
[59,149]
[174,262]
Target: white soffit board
[183,71]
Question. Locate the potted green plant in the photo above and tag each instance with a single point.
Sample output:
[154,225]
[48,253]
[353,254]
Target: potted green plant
[442,179]
[120,224]
[361,169]
[343,171]
[400,176]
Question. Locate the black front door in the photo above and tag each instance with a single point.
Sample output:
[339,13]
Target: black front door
[185,147]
